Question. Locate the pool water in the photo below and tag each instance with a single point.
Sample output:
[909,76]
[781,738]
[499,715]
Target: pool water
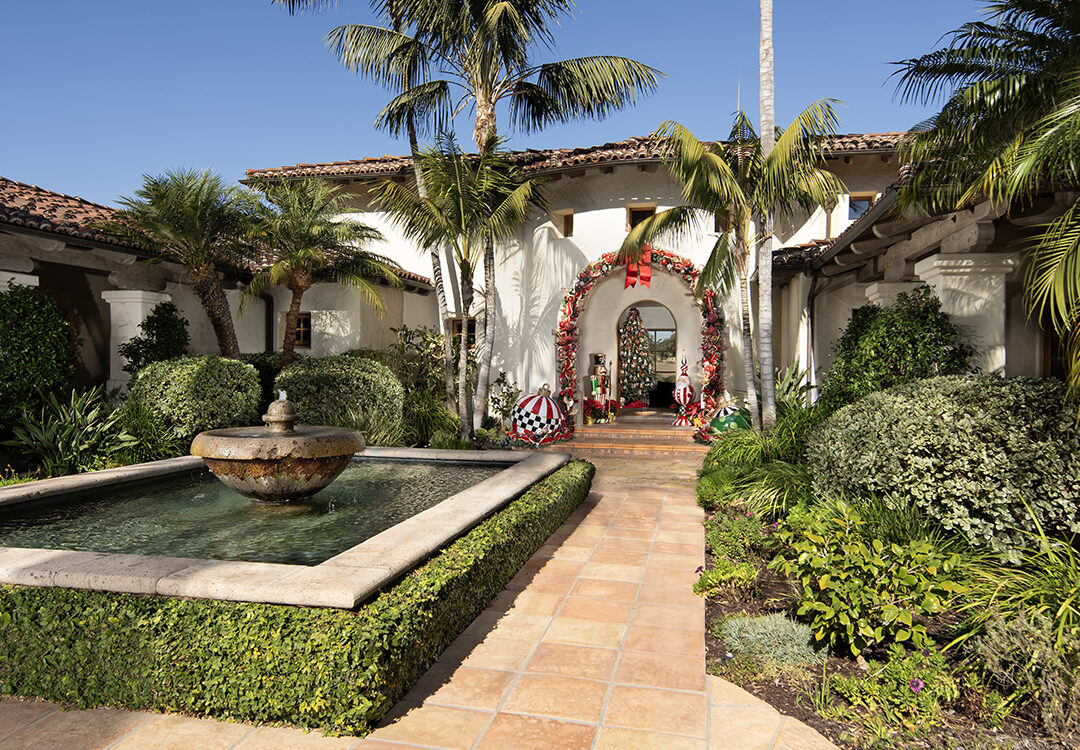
[194,515]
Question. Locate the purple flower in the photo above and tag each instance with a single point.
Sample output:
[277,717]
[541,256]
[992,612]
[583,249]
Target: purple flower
[916,685]
[700,568]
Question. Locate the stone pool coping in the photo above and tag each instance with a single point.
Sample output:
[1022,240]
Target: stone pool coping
[343,581]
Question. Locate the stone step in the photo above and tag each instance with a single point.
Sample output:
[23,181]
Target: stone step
[619,432]
[581,445]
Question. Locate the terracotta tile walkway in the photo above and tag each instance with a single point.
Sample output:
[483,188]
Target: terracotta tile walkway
[597,643]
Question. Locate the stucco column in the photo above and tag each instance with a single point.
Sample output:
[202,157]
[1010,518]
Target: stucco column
[127,309]
[971,288]
[883,293]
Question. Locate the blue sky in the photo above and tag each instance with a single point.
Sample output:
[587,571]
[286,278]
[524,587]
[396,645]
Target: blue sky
[98,94]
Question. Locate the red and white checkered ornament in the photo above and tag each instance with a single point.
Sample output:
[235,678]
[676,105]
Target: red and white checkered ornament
[537,415]
[684,394]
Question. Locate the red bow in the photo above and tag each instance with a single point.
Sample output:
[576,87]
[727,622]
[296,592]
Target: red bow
[642,270]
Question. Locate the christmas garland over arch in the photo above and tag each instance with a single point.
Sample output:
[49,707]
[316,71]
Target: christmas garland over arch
[712,322]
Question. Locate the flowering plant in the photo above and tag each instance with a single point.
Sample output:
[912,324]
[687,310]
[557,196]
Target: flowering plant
[600,409]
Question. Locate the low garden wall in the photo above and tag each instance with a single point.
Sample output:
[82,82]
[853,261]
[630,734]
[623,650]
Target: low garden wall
[310,667]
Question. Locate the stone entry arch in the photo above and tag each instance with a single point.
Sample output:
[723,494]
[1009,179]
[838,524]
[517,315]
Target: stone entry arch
[673,282]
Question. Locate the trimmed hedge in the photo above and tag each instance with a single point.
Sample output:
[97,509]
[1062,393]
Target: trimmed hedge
[35,351]
[973,453]
[326,390]
[197,392]
[304,666]
[268,366]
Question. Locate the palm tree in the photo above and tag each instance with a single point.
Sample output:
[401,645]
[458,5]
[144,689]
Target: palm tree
[1009,128]
[470,202]
[766,96]
[737,180]
[302,237]
[196,219]
[484,49]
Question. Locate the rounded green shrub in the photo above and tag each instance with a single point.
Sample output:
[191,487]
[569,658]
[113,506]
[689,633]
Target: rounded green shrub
[195,393]
[979,455]
[164,336]
[35,350]
[886,346]
[344,391]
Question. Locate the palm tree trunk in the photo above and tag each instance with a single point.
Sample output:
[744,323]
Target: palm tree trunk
[487,339]
[297,285]
[463,357]
[765,260]
[748,351]
[207,287]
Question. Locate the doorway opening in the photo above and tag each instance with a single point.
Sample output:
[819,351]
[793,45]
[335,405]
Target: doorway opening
[662,338]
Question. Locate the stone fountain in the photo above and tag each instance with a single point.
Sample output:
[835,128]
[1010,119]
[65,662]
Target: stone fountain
[280,462]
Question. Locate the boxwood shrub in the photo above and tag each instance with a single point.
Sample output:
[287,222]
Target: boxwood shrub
[198,392]
[340,670]
[35,350]
[342,390]
[973,453]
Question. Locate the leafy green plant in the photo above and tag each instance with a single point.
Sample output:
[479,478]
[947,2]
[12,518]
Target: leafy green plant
[504,396]
[734,533]
[35,350]
[164,336]
[307,666]
[425,414]
[975,454]
[1025,655]
[153,438]
[726,578]
[717,488]
[193,393]
[857,592]
[268,365]
[886,346]
[82,433]
[772,638]
[8,477]
[376,431]
[327,390]
[905,694]
[449,441]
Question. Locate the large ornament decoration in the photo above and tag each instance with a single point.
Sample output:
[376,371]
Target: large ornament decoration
[684,394]
[537,418]
[712,324]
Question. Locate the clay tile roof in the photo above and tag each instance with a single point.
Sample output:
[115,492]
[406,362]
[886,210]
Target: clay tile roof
[799,256]
[641,148]
[47,211]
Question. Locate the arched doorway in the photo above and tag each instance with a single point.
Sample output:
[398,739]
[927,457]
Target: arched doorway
[591,309]
[662,334]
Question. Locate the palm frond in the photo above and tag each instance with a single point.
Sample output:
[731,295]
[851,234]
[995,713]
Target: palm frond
[390,58]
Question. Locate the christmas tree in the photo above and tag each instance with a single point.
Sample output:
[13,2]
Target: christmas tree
[636,374]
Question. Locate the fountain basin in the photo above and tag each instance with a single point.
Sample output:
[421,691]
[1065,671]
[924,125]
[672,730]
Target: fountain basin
[277,467]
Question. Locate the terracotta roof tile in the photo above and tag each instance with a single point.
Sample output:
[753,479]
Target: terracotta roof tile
[48,211]
[541,160]
[799,256]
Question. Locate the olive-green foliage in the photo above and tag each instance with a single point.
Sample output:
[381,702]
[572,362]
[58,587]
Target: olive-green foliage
[726,578]
[504,397]
[903,695]
[35,350]
[773,638]
[1024,657]
[81,433]
[197,392]
[268,367]
[153,438]
[334,390]
[310,667]
[716,488]
[164,336]
[883,347]
[425,414]
[449,441]
[858,592]
[973,453]
[415,358]
[735,533]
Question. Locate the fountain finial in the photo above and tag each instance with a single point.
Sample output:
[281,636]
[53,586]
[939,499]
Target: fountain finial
[281,415]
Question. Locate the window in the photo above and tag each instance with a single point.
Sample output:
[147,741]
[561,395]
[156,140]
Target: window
[455,330]
[663,351]
[564,222]
[637,214]
[858,203]
[303,330]
[721,222]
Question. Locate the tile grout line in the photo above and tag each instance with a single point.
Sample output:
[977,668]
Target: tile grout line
[250,732]
[131,731]
[30,723]
[532,652]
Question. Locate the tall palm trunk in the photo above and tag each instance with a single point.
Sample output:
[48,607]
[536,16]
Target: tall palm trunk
[207,287]
[765,259]
[298,284]
[486,337]
[747,335]
[463,356]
